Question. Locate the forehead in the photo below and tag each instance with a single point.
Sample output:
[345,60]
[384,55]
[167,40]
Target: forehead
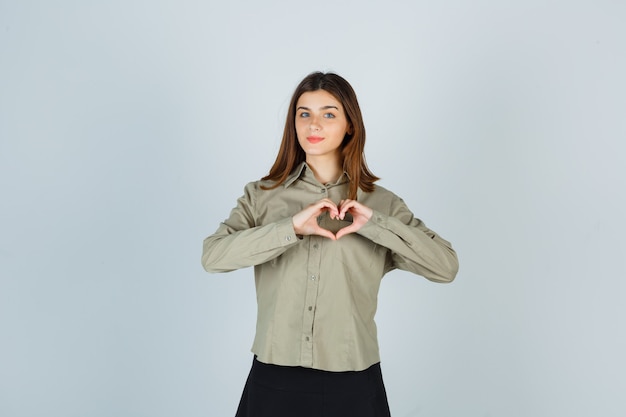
[318,99]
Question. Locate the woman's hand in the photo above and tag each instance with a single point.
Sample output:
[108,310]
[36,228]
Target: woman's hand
[360,215]
[305,222]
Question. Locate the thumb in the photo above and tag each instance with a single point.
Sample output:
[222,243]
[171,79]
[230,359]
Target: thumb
[320,231]
[347,230]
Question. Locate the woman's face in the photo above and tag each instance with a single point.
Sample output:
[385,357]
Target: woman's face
[321,124]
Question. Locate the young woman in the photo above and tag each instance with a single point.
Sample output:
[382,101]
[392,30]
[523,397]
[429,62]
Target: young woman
[321,235]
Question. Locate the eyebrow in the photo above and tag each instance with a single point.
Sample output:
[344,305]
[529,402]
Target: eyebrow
[321,108]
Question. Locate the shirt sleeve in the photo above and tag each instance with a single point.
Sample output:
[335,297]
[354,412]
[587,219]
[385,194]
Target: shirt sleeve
[239,243]
[413,247]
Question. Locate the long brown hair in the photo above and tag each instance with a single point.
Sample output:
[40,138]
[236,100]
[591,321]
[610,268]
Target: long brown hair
[290,154]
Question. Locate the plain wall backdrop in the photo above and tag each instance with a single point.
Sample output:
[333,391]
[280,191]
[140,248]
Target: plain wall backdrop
[129,128]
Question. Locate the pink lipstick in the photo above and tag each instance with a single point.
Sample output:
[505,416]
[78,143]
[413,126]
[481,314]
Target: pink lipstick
[314,139]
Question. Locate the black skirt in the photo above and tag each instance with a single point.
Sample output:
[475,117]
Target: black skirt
[285,391]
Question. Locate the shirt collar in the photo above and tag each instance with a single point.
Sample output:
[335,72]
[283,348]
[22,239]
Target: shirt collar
[295,174]
[304,170]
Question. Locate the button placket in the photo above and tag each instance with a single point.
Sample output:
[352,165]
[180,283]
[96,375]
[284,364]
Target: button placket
[310,302]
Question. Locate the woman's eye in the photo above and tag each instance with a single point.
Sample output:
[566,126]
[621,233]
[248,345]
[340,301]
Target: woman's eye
[304,114]
[329,116]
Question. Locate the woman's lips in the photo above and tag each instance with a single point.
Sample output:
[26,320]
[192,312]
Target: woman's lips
[314,139]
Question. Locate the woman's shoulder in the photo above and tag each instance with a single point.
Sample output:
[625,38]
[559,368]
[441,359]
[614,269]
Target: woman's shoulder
[380,198]
[261,184]
[382,192]
[260,189]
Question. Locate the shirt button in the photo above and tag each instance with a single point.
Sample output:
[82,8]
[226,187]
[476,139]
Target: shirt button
[307,338]
[312,277]
[287,238]
[322,190]
[315,246]
[310,308]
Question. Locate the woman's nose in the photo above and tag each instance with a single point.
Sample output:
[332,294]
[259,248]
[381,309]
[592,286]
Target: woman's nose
[314,126]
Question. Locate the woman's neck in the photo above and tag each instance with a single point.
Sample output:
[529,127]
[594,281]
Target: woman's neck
[326,170]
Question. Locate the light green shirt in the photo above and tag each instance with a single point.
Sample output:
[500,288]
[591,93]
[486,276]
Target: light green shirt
[317,297]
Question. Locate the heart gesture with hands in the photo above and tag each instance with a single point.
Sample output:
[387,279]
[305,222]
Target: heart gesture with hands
[305,221]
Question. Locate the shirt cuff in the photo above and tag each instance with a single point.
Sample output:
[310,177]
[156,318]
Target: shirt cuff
[374,226]
[285,232]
